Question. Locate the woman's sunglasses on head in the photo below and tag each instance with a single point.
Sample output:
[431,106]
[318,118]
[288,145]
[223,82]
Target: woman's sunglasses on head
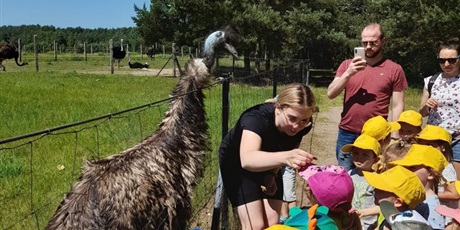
[450,60]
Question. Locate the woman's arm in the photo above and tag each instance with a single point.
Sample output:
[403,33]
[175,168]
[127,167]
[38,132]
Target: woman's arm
[255,160]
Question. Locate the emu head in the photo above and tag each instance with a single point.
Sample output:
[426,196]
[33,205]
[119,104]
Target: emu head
[216,40]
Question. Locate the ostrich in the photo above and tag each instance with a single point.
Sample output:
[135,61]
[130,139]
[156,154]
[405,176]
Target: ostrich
[137,65]
[8,51]
[118,52]
[148,186]
[151,53]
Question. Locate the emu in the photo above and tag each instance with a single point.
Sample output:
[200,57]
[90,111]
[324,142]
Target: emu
[148,186]
[118,53]
[8,51]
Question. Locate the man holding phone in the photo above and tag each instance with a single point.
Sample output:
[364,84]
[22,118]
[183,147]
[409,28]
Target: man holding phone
[370,83]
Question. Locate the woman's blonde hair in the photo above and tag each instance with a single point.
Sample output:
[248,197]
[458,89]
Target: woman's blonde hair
[295,95]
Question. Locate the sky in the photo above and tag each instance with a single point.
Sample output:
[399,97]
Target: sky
[90,14]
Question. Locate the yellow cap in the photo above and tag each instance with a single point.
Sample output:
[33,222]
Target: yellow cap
[379,128]
[364,142]
[457,186]
[434,133]
[400,181]
[423,155]
[411,117]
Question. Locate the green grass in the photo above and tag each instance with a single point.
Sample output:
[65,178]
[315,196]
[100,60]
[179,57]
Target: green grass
[59,95]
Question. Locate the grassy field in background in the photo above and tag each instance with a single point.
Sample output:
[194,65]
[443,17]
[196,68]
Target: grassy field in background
[69,62]
[59,94]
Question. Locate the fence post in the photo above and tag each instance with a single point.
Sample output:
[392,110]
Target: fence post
[36,52]
[275,72]
[140,51]
[307,68]
[54,50]
[220,199]
[173,48]
[111,55]
[84,51]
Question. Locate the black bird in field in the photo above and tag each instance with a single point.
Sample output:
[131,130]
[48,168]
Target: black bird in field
[8,51]
[118,53]
[151,53]
[138,65]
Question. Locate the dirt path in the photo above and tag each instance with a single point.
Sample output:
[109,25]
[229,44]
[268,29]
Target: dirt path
[321,143]
[137,72]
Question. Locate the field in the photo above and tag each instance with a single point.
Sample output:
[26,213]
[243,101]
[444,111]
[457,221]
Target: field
[36,172]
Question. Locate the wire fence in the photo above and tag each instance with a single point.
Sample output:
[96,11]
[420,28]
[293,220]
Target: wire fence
[33,181]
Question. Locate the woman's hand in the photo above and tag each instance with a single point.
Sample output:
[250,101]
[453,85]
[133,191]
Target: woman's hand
[431,103]
[297,158]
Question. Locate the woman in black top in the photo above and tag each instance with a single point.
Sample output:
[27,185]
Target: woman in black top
[265,138]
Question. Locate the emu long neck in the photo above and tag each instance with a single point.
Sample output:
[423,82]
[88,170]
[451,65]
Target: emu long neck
[184,126]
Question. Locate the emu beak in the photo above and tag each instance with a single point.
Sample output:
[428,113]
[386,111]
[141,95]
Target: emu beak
[231,50]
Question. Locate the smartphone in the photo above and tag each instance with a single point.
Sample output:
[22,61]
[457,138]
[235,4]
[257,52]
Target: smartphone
[359,51]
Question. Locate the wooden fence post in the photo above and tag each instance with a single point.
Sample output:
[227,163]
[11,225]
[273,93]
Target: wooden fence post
[84,51]
[111,55]
[140,50]
[55,50]
[36,52]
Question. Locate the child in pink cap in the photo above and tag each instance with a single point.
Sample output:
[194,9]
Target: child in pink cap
[331,186]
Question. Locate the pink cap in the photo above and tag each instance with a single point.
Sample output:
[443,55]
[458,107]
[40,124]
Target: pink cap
[310,169]
[449,212]
[330,184]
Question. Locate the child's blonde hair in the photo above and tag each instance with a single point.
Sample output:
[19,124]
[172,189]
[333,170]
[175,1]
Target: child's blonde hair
[394,151]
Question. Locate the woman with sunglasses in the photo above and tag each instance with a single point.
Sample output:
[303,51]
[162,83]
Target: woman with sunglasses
[442,104]
[265,138]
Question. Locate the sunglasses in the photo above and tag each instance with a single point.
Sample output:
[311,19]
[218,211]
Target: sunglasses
[450,60]
[371,43]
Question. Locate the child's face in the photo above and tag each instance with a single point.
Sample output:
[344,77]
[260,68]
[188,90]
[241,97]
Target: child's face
[434,144]
[309,195]
[422,173]
[408,131]
[363,158]
[381,195]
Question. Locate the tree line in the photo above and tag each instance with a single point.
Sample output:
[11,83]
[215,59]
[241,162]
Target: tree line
[322,31]
[69,39]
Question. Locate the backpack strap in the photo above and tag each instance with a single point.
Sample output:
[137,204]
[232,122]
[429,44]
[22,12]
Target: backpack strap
[431,83]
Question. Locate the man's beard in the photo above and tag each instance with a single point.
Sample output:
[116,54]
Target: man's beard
[375,53]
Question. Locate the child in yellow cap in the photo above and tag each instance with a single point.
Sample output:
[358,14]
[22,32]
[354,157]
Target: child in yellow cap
[401,188]
[380,129]
[395,151]
[365,152]
[411,125]
[428,163]
[441,139]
